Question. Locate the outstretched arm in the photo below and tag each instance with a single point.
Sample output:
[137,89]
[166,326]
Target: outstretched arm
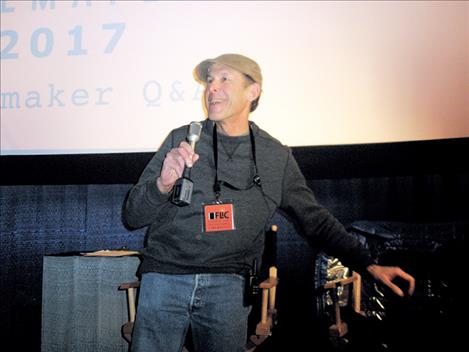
[386,274]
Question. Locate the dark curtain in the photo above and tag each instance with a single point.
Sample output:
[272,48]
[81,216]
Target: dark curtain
[48,219]
[41,220]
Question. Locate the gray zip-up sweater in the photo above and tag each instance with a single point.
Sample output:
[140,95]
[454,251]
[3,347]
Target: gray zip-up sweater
[177,243]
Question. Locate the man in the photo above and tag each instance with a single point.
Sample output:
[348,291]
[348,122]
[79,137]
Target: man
[197,256]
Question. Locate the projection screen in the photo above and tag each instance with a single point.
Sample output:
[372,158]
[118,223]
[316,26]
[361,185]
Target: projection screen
[117,76]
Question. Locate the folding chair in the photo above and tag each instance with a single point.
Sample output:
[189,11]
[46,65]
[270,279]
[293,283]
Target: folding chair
[340,328]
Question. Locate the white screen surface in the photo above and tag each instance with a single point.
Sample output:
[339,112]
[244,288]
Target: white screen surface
[117,76]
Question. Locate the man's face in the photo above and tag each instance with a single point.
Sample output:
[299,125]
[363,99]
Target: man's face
[228,95]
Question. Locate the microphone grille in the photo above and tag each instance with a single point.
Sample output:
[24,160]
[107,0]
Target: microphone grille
[195,129]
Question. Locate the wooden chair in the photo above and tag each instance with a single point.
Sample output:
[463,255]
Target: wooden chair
[268,311]
[340,328]
[131,290]
[263,328]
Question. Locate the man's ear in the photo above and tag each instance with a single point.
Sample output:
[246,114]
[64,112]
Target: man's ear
[254,91]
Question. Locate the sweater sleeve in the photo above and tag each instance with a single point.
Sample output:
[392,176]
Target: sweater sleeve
[320,228]
[145,201]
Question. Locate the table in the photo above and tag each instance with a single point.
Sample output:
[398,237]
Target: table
[82,308]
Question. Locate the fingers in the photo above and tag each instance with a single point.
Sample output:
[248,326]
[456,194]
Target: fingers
[173,166]
[410,279]
[395,289]
[411,286]
[183,155]
[386,274]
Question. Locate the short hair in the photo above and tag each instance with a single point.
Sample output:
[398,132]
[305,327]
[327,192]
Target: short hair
[255,102]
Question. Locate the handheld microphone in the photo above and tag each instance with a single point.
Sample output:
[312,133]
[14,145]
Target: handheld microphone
[182,190]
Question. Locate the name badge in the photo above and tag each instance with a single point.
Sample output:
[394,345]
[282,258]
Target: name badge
[218,217]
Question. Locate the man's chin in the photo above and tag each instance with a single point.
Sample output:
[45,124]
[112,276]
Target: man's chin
[214,117]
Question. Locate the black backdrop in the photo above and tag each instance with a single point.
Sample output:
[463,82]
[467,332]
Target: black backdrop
[68,203]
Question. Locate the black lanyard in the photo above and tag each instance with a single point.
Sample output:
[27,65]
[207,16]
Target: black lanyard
[256,180]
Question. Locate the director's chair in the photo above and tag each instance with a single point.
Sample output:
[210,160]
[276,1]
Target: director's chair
[339,328]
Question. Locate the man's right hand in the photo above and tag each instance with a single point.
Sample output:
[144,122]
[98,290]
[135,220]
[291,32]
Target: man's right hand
[173,166]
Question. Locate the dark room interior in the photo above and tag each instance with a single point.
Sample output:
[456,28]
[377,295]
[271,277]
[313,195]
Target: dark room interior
[406,200]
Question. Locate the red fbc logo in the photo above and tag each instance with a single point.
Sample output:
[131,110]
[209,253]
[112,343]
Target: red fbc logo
[219,217]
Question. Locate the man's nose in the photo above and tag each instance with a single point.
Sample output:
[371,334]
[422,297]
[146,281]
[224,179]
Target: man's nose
[213,87]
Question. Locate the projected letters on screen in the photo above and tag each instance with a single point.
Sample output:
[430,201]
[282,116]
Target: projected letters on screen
[117,76]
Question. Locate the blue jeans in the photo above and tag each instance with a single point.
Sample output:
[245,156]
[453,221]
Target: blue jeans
[212,304]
